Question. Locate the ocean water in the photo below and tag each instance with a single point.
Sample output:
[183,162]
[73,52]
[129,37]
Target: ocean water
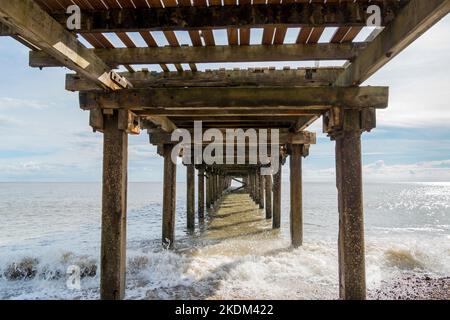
[46,227]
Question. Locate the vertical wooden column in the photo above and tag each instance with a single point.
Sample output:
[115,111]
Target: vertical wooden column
[268,189]
[207,190]
[214,188]
[169,198]
[296,195]
[252,185]
[190,189]
[262,184]
[201,193]
[346,127]
[276,220]
[114,210]
[257,185]
[351,219]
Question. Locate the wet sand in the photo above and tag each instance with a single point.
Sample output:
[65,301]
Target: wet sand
[413,287]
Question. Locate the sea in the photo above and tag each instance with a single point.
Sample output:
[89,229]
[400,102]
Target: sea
[46,228]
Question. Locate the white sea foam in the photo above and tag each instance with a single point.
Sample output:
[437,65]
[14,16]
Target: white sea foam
[259,265]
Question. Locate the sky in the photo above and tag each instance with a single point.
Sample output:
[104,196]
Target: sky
[44,136]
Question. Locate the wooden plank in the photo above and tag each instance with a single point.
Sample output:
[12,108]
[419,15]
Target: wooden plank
[229,78]
[235,98]
[214,54]
[290,15]
[35,25]
[413,20]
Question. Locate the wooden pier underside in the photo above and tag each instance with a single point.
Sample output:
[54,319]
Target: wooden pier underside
[184,92]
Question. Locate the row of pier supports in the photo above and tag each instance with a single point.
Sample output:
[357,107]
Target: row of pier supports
[343,126]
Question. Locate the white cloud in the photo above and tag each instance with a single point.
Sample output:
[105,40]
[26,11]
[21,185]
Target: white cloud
[14,103]
[380,171]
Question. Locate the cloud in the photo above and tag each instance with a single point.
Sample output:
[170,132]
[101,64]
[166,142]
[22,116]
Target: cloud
[380,171]
[7,103]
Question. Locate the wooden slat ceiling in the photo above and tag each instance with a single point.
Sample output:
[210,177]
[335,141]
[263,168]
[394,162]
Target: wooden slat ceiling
[272,35]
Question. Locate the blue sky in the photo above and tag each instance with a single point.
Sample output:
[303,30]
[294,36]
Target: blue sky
[44,136]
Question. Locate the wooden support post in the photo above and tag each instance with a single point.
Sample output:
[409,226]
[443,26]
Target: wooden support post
[169,198]
[262,183]
[346,128]
[351,220]
[251,185]
[214,188]
[257,186]
[190,188]
[208,190]
[296,195]
[114,210]
[276,221]
[201,193]
[268,197]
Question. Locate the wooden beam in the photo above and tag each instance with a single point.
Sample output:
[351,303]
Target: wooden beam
[285,137]
[235,112]
[329,14]
[213,54]
[237,98]
[36,26]
[413,20]
[162,122]
[220,78]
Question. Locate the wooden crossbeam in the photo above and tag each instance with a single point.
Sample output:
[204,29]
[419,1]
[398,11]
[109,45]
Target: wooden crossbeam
[220,78]
[300,98]
[214,54]
[413,20]
[328,14]
[36,26]
[285,137]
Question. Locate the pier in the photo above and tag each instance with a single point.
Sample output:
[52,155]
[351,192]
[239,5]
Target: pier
[267,100]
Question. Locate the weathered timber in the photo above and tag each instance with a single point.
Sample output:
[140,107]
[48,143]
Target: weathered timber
[215,54]
[276,220]
[296,195]
[36,26]
[285,137]
[262,185]
[235,98]
[201,193]
[413,20]
[169,198]
[190,190]
[329,14]
[266,77]
[114,210]
[268,189]
[208,191]
[351,218]
[352,276]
